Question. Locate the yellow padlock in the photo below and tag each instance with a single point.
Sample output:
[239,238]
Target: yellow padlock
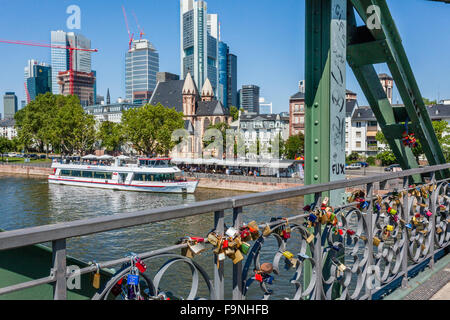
[288,255]
[389,228]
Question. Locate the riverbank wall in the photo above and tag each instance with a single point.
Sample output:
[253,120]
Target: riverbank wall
[25,170]
[247,186]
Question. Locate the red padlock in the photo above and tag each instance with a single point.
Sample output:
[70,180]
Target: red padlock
[286,235]
[141,266]
[225,244]
[258,277]
[350,232]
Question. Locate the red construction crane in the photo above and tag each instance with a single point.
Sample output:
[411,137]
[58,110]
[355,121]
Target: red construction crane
[141,31]
[46,45]
[130,35]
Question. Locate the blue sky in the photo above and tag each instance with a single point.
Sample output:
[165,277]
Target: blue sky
[266,35]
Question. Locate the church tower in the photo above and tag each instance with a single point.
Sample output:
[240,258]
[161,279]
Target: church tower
[207,91]
[190,94]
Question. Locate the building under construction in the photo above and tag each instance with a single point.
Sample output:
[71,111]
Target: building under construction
[83,86]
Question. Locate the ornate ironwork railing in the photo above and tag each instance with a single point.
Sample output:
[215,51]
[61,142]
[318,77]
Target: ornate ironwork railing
[361,250]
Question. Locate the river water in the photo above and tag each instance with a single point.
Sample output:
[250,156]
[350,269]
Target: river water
[27,202]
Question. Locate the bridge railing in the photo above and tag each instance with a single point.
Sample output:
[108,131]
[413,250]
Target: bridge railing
[360,250]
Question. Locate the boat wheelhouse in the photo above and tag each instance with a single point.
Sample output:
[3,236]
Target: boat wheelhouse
[148,175]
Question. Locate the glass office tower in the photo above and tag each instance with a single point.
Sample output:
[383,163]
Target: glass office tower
[60,57]
[141,67]
[199,43]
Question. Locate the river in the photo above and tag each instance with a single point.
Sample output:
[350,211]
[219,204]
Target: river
[28,202]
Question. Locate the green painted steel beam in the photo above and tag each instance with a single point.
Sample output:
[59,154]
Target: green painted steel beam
[367,53]
[401,71]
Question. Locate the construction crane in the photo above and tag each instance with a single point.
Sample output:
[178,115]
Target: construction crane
[130,35]
[46,45]
[141,31]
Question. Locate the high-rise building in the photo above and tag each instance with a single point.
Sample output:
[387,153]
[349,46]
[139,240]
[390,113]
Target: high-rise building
[232,80]
[38,79]
[141,67]
[199,32]
[265,107]
[222,92]
[249,98]
[83,86]
[9,105]
[81,60]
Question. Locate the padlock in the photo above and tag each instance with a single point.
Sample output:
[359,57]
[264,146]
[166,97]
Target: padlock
[307,208]
[238,257]
[221,256]
[310,238]
[237,241]
[323,219]
[117,289]
[390,228]
[245,235]
[350,232]
[438,230]
[342,267]
[293,262]
[288,255]
[213,239]
[225,244]
[245,247]
[429,213]
[392,211]
[267,231]
[232,232]
[133,279]
[96,280]
[258,277]
[253,225]
[376,241]
[187,252]
[230,253]
[312,218]
[268,279]
[363,238]
[266,268]
[197,248]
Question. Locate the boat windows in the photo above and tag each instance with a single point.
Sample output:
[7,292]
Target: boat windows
[154,177]
[87,174]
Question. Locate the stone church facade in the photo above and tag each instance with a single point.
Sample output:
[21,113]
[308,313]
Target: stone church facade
[200,110]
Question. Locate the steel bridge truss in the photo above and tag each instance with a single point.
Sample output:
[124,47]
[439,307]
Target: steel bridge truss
[378,41]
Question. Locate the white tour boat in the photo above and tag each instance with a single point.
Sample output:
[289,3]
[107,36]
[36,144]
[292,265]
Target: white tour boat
[149,175]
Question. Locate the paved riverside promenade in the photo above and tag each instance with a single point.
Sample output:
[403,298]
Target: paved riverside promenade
[430,284]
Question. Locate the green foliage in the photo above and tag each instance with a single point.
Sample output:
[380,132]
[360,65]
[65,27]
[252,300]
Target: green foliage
[222,127]
[387,158]
[5,145]
[381,138]
[234,112]
[149,128]
[429,102]
[111,136]
[295,146]
[353,157]
[57,123]
[371,160]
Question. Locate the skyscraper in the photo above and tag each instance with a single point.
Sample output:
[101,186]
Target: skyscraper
[38,79]
[9,105]
[231,80]
[60,57]
[249,98]
[199,43]
[227,76]
[141,67]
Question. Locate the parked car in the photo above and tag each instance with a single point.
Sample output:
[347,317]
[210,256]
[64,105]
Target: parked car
[42,156]
[392,167]
[353,166]
[363,164]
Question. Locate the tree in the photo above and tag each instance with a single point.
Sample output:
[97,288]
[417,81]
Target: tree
[55,122]
[429,102]
[5,145]
[295,145]
[111,136]
[149,128]
[387,158]
[234,112]
[222,127]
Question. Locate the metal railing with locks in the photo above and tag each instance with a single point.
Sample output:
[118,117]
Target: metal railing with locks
[357,251]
